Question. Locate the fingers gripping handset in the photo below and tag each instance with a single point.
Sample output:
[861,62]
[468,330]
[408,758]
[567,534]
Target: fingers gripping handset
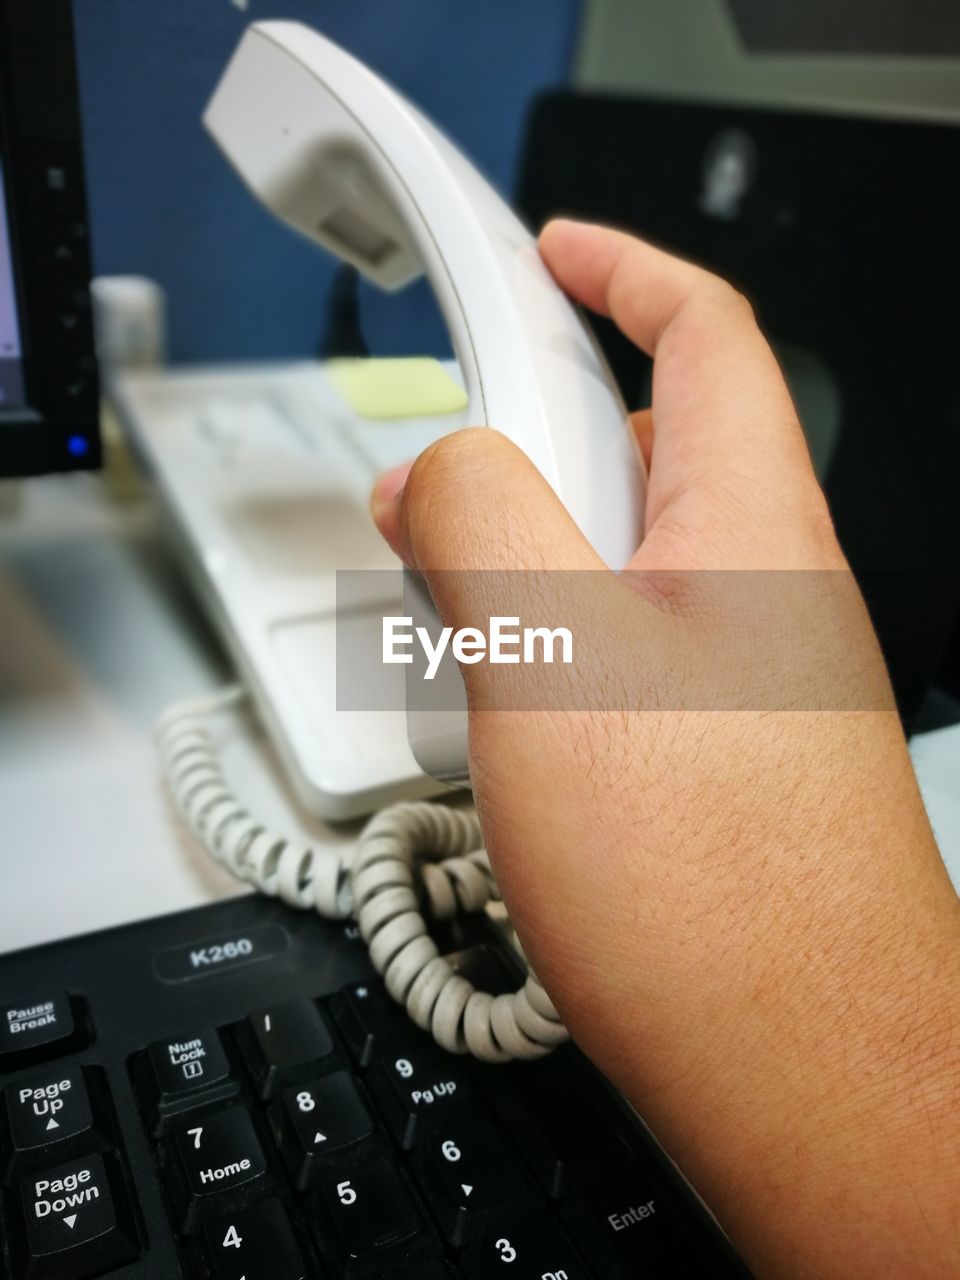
[339,155]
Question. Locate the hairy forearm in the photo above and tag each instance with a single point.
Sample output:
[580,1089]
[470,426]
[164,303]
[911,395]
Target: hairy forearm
[773,982]
[801,1055]
[824,1129]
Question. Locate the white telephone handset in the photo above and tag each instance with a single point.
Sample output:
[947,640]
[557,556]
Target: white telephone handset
[334,151]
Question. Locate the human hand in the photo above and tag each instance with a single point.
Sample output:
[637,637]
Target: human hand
[733,898]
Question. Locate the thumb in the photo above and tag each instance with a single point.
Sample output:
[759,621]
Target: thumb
[481,525]
[474,501]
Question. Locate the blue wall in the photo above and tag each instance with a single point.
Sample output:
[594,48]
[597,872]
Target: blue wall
[164,203]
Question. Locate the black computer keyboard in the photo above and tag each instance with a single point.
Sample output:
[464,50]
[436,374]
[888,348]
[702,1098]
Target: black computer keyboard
[229,1094]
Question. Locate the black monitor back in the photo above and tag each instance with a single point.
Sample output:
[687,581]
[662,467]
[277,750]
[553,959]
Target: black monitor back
[845,234]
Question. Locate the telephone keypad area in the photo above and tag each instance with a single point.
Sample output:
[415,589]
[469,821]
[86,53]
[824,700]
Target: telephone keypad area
[284,1120]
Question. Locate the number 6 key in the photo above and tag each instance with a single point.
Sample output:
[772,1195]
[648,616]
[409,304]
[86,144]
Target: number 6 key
[467,1172]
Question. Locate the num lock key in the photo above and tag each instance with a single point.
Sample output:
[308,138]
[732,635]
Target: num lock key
[190,1070]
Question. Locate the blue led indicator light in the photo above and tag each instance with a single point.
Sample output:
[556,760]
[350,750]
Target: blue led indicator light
[78,446]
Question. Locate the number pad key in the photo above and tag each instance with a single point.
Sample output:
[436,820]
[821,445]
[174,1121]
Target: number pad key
[285,1043]
[189,1070]
[466,1171]
[254,1244]
[625,1226]
[532,1249]
[368,1018]
[322,1118]
[219,1154]
[370,1207]
[425,1269]
[415,1082]
[556,1121]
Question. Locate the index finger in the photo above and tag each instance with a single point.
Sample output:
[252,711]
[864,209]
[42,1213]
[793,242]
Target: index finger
[719,400]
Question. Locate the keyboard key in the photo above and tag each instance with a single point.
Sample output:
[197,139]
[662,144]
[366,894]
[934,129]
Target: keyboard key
[323,1118]
[625,1228]
[32,1030]
[370,1207]
[285,1043]
[564,1134]
[190,1070]
[465,1172]
[254,1244]
[486,968]
[72,1225]
[531,1248]
[367,1018]
[425,1270]
[48,1109]
[416,1080]
[219,1153]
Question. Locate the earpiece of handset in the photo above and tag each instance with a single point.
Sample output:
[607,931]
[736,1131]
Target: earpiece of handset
[335,152]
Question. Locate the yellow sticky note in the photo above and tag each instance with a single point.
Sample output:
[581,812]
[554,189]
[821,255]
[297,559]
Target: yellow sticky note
[402,387]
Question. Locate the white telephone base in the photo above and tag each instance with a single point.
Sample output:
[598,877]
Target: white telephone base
[265,473]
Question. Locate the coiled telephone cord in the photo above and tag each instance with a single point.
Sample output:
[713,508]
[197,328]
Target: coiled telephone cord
[408,854]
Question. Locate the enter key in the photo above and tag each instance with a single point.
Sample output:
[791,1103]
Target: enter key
[625,1227]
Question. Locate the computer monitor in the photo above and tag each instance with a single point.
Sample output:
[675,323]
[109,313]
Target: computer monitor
[49,396]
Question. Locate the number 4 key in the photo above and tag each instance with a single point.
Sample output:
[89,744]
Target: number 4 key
[256,1243]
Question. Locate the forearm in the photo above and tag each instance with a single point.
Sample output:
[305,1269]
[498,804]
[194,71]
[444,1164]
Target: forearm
[822,1122]
[773,981]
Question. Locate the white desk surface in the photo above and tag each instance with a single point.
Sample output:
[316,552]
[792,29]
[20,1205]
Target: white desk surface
[98,634]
